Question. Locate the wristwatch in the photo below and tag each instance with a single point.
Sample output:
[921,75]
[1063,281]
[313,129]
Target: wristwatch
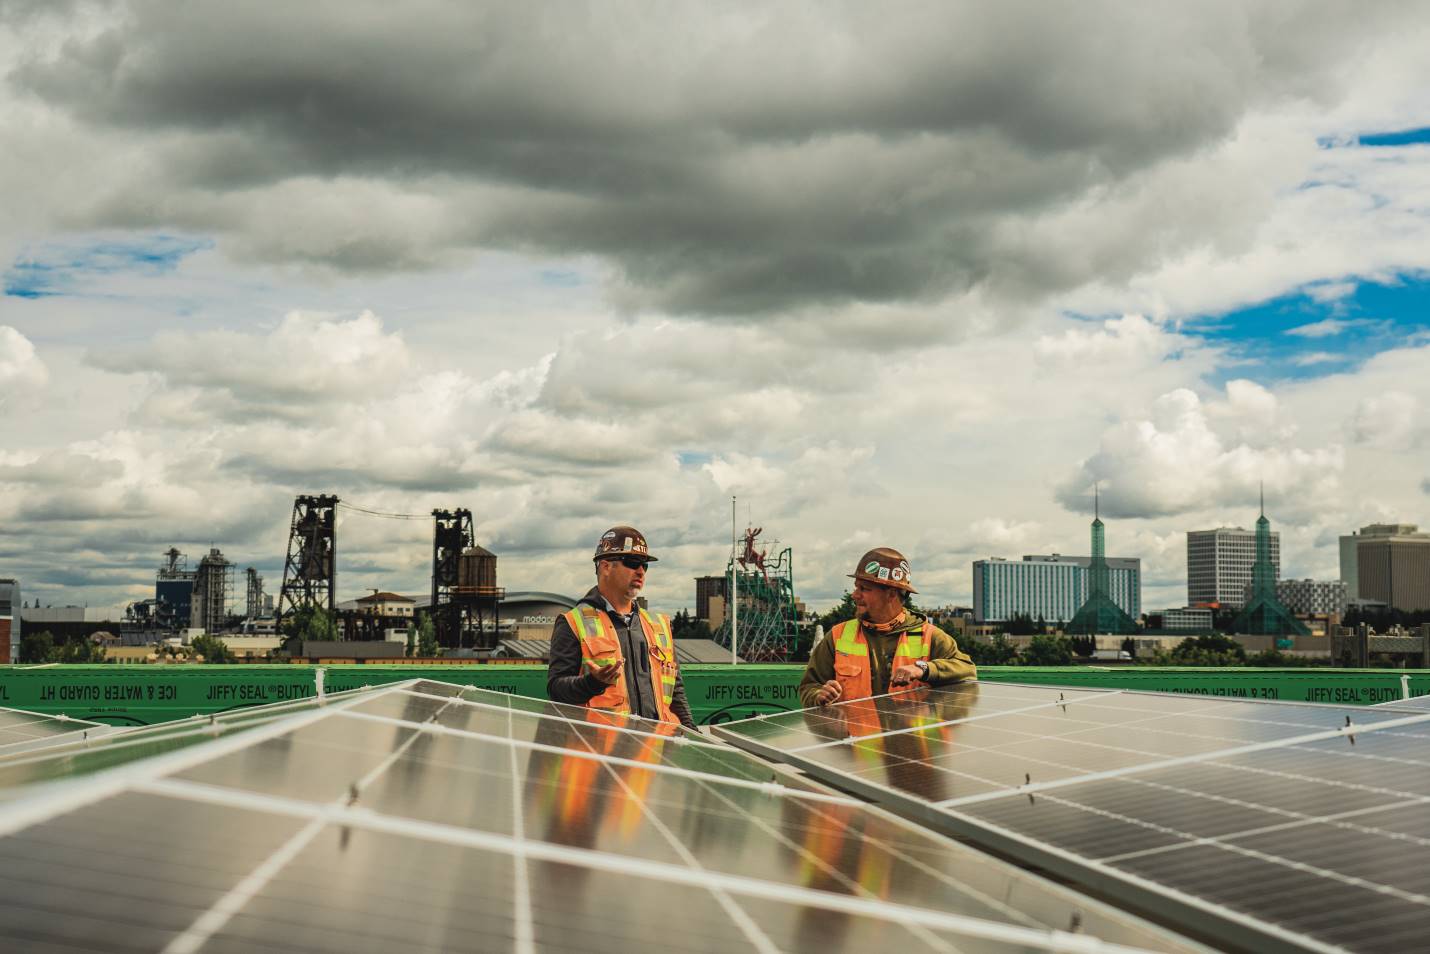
[923,666]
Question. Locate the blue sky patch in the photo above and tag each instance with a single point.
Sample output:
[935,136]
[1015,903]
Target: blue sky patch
[691,459]
[1403,137]
[561,278]
[1320,329]
[61,269]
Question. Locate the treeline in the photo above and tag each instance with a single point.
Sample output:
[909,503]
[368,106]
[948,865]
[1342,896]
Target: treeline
[1044,650]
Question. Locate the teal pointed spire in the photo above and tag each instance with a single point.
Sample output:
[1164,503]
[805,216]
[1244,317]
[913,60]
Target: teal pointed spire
[1264,614]
[1099,614]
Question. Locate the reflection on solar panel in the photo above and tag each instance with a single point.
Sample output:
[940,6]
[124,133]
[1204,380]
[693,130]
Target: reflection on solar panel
[426,816]
[24,731]
[1263,825]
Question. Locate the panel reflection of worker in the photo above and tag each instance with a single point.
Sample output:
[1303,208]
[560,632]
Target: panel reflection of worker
[887,646]
[610,654]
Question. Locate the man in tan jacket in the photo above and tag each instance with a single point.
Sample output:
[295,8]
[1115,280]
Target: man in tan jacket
[886,647]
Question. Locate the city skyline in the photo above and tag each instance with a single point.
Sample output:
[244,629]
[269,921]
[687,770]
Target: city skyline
[909,292]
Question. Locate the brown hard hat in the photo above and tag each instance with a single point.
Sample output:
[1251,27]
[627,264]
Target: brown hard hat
[622,541]
[885,566]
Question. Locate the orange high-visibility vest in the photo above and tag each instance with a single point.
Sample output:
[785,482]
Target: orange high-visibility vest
[851,658]
[600,646]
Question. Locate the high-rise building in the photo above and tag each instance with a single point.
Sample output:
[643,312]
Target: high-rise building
[1349,567]
[1053,587]
[707,588]
[1219,564]
[1393,565]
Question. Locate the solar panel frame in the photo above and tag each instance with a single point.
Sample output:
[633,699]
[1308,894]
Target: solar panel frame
[25,731]
[156,777]
[1159,901]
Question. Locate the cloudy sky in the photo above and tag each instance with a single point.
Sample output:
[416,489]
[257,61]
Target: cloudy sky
[908,274]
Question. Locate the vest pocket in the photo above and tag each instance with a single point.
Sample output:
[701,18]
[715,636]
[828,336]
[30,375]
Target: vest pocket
[847,666]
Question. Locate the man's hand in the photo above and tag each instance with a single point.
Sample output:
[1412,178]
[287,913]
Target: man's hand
[829,692]
[905,675]
[608,674]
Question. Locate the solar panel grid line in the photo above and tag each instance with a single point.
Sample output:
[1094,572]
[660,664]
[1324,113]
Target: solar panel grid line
[215,918]
[678,739]
[1334,783]
[752,932]
[525,928]
[1141,894]
[772,788]
[1337,819]
[1373,757]
[362,818]
[939,725]
[1340,732]
[62,797]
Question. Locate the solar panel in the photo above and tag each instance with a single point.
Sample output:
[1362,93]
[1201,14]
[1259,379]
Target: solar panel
[23,731]
[1419,703]
[411,817]
[1264,825]
[102,747]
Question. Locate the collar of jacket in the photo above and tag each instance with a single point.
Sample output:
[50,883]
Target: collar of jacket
[914,620]
[594,598]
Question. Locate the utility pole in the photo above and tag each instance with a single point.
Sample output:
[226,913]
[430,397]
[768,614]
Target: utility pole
[734,589]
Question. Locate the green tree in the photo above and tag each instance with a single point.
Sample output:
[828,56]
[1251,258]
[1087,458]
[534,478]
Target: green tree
[37,647]
[843,611]
[411,639]
[79,650]
[1213,650]
[1048,651]
[1020,624]
[1084,646]
[685,626]
[311,624]
[991,652]
[213,649]
[426,637]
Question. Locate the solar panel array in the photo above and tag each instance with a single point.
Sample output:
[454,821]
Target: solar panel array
[1262,825]
[424,816]
[22,731]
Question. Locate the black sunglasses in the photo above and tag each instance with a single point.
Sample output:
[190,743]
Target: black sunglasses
[632,562]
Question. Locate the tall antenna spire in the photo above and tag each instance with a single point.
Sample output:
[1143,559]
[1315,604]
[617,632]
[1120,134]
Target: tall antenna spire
[1263,498]
[1096,506]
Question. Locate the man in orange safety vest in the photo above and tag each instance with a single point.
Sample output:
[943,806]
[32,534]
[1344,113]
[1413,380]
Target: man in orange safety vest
[609,653]
[887,647]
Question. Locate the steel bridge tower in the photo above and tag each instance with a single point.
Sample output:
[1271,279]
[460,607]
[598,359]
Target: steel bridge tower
[310,573]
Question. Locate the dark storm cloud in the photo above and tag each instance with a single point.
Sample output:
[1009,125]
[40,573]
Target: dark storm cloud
[727,158]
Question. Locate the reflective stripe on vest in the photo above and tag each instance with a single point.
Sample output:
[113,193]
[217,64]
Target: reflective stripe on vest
[851,658]
[601,646]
